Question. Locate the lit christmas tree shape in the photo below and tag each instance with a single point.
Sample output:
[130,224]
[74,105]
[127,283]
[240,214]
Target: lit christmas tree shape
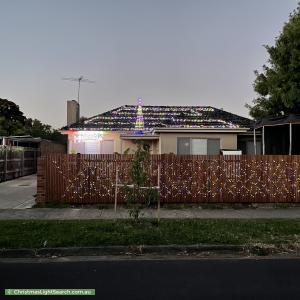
[139,123]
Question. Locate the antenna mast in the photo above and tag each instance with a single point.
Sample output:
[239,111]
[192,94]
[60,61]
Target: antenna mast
[79,80]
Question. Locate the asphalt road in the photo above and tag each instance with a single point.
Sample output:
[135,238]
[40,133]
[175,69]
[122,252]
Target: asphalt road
[161,279]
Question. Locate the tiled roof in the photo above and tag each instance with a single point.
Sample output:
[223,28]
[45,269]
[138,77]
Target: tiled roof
[124,118]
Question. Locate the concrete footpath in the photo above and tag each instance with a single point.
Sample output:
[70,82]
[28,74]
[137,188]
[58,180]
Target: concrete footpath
[18,193]
[87,214]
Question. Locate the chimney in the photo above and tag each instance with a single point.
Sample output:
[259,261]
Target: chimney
[72,112]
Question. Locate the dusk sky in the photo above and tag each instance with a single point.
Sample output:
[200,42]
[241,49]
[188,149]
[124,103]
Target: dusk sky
[167,52]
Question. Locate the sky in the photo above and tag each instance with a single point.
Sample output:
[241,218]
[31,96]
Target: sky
[167,52]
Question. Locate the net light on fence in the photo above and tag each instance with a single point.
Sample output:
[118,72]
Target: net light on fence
[195,180]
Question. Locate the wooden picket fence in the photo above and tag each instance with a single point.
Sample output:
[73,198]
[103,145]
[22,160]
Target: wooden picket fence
[182,178]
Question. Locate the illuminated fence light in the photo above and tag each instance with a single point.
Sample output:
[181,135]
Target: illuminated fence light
[191,180]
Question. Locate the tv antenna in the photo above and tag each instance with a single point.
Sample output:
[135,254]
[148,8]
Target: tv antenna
[79,80]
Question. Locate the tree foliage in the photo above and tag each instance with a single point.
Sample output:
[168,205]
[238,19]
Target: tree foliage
[139,177]
[13,122]
[278,85]
[11,118]
[36,128]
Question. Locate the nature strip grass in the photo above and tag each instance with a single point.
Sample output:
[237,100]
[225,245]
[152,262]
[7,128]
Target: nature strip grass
[37,233]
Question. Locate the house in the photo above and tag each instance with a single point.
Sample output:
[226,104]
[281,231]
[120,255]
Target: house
[22,141]
[167,129]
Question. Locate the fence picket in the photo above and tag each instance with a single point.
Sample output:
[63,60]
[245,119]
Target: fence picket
[90,178]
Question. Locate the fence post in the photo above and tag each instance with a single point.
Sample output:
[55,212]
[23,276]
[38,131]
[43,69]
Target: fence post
[162,180]
[116,189]
[158,189]
[77,163]
[34,161]
[22,163]
[5,164]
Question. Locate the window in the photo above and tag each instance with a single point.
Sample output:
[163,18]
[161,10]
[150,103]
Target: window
[198,146]
[92,147]
[213,146]
[183,146]
[102,147]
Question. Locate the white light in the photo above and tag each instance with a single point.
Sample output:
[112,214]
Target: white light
[85,136]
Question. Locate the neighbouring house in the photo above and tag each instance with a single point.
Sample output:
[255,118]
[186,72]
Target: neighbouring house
[42,146]
[167,129]
[20,140]
[279,134]
[19,154]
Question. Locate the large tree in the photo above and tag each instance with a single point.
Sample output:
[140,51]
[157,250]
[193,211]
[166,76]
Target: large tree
[36,128]
[11,118]
[13,122]
[278,85]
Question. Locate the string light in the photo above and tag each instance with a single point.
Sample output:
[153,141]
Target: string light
[185,180]
[147,118]
[139,123]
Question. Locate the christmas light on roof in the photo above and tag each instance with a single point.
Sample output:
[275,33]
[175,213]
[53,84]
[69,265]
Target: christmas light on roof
[139,123]
[140,118]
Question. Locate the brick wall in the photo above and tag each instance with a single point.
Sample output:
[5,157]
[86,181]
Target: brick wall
[48,147]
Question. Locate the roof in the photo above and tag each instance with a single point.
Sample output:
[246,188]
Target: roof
[124,118]
[23,138]
[281,120]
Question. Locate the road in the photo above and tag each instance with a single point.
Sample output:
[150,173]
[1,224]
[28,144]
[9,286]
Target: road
[162,279]
[18,193]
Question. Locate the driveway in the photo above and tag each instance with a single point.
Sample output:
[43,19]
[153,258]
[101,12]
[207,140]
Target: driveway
[18,193]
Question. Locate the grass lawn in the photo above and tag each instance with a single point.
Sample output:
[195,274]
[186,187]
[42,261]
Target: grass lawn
[35,233]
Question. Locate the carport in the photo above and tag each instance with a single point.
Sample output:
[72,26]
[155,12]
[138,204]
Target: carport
[279,134]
